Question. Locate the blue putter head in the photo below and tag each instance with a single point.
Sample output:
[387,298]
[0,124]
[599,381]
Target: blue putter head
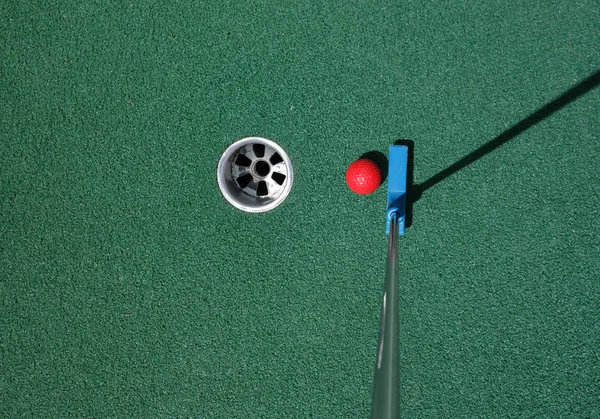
[396,194]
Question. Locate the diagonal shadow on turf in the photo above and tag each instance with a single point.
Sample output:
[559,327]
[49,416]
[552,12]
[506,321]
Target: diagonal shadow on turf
[416,191]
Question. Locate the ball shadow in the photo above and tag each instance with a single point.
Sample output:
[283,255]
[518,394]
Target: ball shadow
[380,160]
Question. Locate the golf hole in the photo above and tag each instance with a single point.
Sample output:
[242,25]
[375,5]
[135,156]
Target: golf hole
[255,174]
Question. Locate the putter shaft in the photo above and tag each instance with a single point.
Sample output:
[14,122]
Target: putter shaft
[386,396]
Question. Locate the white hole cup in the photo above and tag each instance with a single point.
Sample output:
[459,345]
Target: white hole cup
[242,179]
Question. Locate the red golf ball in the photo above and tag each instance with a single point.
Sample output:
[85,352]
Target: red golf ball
[363,176]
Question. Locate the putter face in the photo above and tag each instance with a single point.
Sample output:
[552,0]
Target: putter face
[396,194]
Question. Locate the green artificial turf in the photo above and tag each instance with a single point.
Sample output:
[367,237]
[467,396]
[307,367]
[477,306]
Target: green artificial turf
[130,287]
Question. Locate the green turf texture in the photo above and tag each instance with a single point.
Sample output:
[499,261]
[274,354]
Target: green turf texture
[130,288]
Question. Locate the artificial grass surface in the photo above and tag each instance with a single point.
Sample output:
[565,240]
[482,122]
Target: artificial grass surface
[131,288]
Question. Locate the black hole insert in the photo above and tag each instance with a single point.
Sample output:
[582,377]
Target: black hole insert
[278,177]
[244,180]
[262,168]
[259,150]
[262,189]
[275,158]
[243,160]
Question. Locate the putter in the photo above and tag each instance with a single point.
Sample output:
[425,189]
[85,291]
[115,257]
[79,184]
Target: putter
[386,386]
